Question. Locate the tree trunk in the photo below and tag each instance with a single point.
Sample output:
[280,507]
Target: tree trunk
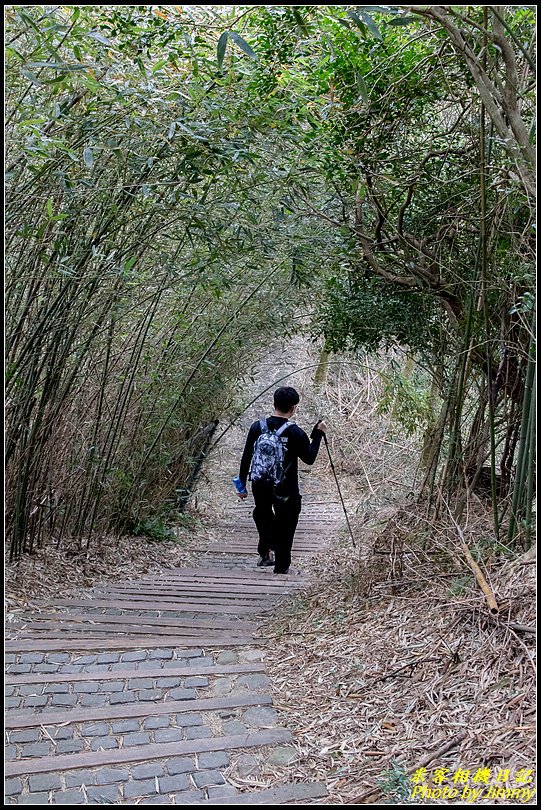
[322,371]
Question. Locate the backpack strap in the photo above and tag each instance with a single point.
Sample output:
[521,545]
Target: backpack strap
[283,428]
[263,425]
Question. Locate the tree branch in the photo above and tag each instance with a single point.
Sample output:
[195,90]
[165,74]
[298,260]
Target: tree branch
[498,105]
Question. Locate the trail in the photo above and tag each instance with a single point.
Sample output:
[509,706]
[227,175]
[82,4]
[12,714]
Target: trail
[154,690]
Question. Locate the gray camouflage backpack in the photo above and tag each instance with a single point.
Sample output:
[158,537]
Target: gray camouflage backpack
[268,455]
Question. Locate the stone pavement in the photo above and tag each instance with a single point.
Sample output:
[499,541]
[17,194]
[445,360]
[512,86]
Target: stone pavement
[154,691]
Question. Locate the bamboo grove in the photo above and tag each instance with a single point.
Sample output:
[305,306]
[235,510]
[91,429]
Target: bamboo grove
[182,181]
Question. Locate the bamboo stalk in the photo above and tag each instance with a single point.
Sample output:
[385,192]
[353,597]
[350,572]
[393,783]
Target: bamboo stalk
[484,294]
[531,468]
[523,448]
[479,576]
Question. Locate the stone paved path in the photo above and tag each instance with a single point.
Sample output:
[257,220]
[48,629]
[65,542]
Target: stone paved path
[154,691]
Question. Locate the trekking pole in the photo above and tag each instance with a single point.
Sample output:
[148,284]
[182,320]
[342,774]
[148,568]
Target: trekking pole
[339,490]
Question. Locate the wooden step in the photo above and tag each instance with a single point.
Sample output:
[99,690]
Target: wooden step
[154,604]
[123,674]
[125,711]
[284,794]
[152,621]
[93,643]
[143,753]
[63,629]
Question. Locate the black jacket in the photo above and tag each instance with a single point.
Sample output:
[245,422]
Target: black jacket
[297,446]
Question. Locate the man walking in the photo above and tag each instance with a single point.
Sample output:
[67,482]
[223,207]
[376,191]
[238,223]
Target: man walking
[278,500]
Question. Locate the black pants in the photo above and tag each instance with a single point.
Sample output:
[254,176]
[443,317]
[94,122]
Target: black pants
[276,520]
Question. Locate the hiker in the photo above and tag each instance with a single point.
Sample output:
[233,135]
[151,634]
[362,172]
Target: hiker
[276,493]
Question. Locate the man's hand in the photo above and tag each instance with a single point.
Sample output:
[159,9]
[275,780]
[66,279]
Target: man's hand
[321,425]
[242,495]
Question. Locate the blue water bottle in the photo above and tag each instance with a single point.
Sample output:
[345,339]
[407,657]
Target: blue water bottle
[239,486]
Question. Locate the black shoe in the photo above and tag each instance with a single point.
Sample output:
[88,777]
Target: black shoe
[281,572]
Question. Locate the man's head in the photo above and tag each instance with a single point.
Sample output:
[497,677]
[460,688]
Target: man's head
[285,399]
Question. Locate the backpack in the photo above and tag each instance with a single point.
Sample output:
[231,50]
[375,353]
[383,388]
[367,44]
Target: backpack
[268,455]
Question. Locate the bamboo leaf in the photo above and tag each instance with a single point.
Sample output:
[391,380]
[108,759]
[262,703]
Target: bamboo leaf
[380,9]
[172,129]
[159,65]
[371,24]
[90,82]
[363,90]
[403,20]
[31,122]
[50,207]
[12,52]
[243,45]
[301,22]
[222,45]
[58,65]
[30,76]
[29,21]
[99,37]
[357,20]
[88,157]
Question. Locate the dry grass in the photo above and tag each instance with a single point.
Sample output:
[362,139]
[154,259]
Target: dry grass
[376,667]
[63,571]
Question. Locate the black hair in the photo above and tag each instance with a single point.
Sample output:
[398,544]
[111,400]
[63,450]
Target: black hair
[285,398]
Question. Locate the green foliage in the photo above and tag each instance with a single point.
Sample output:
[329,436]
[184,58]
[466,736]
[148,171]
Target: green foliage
[406,401]
[179,177]
[459,586]
[154,529]
[371,314]
[141,255]
[395,784]
[487,546]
